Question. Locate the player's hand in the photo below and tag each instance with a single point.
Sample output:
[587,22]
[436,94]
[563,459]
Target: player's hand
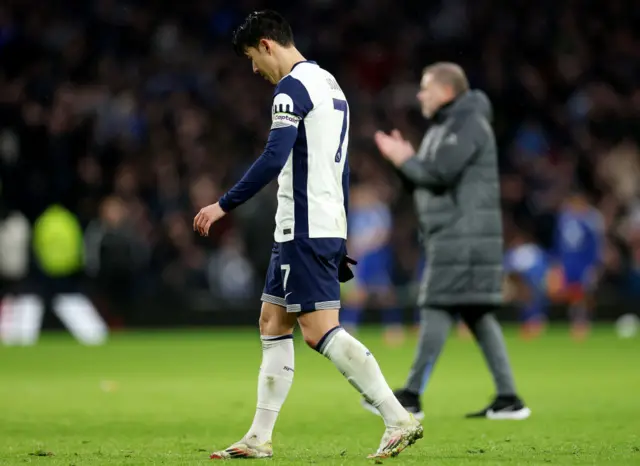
[207,217]
[394,147]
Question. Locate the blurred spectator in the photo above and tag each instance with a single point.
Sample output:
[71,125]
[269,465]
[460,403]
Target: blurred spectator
[57,247]
[115,255]
[231,275]
[15,235]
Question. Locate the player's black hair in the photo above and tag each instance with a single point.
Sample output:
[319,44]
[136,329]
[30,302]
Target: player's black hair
[265,24]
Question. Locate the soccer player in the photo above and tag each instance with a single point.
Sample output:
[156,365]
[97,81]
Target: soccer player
[370,225]
[577,249]
[307,151]
[526,267]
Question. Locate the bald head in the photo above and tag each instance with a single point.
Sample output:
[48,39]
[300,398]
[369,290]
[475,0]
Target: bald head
[441,83]
[449,74]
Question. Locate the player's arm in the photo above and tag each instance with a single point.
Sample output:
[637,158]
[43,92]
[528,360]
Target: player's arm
[442,169]
[264,169]
[290,105]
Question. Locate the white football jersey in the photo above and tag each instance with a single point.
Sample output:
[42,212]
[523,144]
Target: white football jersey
[313,185]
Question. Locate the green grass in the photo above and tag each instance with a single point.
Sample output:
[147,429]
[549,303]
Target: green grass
[170,398]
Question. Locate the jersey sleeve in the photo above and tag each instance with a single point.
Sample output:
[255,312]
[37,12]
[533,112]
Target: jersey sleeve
[291,103]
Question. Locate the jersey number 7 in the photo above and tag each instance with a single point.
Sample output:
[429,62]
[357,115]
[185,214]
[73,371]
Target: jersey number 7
[341,105]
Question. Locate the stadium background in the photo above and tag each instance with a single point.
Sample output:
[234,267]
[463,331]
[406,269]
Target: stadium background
[134,115]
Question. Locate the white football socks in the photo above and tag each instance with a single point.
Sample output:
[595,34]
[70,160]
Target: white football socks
[361,369]
[274,382]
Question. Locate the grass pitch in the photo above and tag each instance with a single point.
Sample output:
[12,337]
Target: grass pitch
[171,398]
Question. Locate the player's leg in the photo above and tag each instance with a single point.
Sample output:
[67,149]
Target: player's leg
[488,334]
[276,370]
[394,331]
[31,308]
[580,300]
[381,284]
[579,312]
[323,333]
[314,292]
[532,317]
[21,319]
[81,317]
[578,293]
[530,300]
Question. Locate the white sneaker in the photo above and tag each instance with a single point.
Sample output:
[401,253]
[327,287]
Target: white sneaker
[510,415]
[504,408]
[245,448]
[397,438]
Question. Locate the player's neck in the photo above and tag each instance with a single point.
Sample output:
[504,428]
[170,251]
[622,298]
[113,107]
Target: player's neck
[288,58]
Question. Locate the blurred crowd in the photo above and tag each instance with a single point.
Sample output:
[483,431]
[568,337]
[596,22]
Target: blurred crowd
[133,115]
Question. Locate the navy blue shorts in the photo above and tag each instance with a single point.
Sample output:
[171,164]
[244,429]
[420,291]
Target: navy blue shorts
[303,274]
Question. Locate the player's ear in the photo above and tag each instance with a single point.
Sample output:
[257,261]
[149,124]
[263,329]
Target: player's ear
[266,46]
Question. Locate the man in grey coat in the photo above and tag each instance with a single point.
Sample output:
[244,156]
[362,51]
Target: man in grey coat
[455,184]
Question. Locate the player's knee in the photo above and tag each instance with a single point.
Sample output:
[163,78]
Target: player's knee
[315,325]
[311,338]
[274,320]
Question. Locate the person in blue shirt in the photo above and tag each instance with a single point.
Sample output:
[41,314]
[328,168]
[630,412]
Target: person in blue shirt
[526,267]
[370,224]
[577,252]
